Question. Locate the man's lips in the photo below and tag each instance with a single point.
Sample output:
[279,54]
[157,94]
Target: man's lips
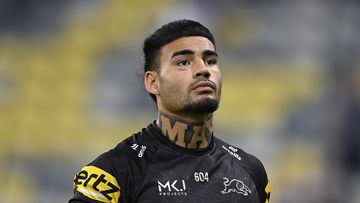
[204,86]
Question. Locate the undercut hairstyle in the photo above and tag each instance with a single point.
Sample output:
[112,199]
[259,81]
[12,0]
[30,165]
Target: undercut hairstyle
[166,34]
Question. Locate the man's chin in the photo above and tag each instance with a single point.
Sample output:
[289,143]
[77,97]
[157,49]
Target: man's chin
[201,106]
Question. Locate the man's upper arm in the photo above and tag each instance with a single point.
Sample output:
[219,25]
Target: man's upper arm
[94,183]
[106,179]
[258,173]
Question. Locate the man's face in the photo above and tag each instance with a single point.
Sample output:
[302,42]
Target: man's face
[189,80]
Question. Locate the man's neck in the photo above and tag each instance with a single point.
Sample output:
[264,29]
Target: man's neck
[187,134]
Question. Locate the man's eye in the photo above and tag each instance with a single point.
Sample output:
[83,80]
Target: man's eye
[183,63]
[210,62]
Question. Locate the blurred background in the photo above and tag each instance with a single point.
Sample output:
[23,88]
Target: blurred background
[71,88]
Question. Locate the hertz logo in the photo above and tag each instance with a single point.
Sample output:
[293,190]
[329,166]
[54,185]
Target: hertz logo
[97,184]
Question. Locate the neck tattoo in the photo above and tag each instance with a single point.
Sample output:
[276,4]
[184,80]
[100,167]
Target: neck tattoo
[186,134]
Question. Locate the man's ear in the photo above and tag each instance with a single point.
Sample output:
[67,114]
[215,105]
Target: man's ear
[151,81]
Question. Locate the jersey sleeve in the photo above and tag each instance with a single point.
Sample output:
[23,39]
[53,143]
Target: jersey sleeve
[258,173]
[106,179]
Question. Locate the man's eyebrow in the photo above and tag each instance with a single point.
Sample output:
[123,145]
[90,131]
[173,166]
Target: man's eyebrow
[182,52]
[209,53]
[189,52]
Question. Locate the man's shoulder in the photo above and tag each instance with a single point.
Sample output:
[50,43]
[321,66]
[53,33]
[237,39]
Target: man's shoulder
[252,165]
[247,160]
[113,171]
[104,174]
[236,152]
[124,153]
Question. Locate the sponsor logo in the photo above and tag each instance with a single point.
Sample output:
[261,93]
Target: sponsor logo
[235,185]
[172,188]
[97,184]
[233,148]
[140,148]
[232,151]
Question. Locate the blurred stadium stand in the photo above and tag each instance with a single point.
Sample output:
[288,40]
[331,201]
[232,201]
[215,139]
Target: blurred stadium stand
[70,89]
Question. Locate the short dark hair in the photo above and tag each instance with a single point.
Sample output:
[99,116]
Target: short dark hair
[166,34]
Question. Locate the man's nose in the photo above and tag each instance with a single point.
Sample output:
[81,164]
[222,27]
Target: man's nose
[202,70]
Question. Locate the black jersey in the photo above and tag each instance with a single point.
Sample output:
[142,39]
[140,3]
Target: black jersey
[147,167]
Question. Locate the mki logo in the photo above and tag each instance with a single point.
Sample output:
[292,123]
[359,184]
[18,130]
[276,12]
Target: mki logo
[235,186]
[173,188]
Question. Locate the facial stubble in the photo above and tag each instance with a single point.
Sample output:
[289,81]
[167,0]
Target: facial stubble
[202,105]
[193,103]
